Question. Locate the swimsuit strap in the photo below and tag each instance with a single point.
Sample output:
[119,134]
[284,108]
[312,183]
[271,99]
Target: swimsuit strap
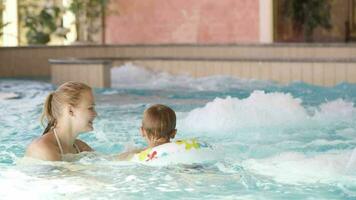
[58,142]
[76,147]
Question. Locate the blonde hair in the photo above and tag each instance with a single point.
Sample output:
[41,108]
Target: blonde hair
[159,121]
[68,93]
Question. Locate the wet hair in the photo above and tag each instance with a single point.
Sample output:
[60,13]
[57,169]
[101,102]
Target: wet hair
[68,93]
[159,121]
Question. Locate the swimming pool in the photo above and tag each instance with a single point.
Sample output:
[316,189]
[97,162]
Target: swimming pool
[275,142]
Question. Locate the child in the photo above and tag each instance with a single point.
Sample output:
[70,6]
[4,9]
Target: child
[68,111]
[158,128]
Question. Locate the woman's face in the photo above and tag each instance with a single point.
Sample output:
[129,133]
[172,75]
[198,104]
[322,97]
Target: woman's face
[84,112]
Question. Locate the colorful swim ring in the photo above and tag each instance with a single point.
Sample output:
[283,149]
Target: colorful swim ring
[188,151]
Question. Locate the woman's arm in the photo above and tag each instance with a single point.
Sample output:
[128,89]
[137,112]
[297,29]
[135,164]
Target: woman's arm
[83,146]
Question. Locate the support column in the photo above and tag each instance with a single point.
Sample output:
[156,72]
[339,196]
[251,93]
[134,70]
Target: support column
[10,31]
[266,21]
[69,23]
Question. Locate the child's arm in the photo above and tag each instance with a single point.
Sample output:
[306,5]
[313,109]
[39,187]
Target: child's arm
[128,155]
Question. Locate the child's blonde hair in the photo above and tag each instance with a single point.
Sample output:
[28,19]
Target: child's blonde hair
[68,93]
[159,121]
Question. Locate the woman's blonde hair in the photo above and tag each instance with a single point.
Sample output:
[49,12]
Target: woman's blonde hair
[68,93]
[159,121]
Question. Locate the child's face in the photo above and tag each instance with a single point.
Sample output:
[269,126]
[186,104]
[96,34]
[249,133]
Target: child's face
[84,113]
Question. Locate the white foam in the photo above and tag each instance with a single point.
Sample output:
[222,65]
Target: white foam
[264,110]
[8,95]
[129,74]
[335,110]
[349,133]
[296,168]
[322,142]
[36,179]
[351,163]
[132,76]
[15,185]
[260,109]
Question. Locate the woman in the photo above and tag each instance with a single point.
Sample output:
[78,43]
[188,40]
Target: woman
[68,111]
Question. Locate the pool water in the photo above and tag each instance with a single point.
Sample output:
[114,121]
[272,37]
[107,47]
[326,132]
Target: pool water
[294,141]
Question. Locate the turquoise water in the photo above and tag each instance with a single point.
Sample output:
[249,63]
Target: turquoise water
[274,142]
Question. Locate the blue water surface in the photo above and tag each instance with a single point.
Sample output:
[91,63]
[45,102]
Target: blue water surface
[275,141]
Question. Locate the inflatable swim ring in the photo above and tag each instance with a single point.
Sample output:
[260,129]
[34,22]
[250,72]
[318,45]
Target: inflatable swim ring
[188,151]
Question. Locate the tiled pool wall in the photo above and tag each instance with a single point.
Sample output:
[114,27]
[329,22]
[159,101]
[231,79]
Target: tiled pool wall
[319,64]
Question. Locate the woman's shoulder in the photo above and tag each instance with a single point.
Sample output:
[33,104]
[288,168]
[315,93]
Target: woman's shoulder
[43,148]
[83,146]
[43,142]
